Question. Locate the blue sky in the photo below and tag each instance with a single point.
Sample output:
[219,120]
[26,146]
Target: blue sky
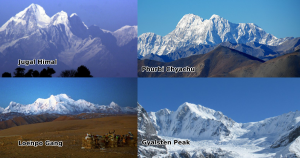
[103,91]
[278,17]
[242,99]
[108,14]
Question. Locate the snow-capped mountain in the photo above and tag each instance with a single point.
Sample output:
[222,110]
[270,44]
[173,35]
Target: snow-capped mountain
[125,34]
[194,122]
[213,134]
[193,29]
[25,22]
[63,104]
[273,126]
[32,34]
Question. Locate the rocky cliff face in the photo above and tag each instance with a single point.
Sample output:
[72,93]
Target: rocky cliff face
[147,131]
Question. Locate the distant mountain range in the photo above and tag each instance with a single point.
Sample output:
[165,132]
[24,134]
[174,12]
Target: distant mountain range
[63,104]
[32,34]
[216,135]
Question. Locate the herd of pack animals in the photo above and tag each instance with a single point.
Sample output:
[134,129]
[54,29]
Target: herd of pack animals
[110,140]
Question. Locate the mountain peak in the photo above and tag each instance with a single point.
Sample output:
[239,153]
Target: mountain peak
[77,23]
[34,14]
[199,110]
[35,7]
[57,98]
[63,13]
[12,103]
[125,34]
[134,27]
[32,6]
[113,104]
[188,20]
[63,95]
[74,14]
[190,15]
[187,104]
[59,18]
[41,17]
[215,16]
[164,111]
[126,28]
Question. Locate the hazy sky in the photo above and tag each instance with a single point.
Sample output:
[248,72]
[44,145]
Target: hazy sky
[242,99]
[103,91]
[108,14]
[278,17]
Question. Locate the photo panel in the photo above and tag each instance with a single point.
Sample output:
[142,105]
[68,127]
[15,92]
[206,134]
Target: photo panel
[70,38]
[76,117]
[219,117]
[218,38]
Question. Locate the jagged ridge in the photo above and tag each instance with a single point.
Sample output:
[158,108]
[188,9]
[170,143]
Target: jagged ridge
[192,29]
